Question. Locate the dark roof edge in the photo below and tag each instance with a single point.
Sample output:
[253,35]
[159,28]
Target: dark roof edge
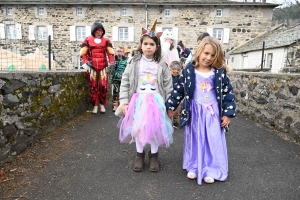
[149,4]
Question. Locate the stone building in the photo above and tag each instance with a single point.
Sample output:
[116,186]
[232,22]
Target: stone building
[277,50]
[25,25]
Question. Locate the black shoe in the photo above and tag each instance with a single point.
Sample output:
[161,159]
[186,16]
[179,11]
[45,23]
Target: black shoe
[176,125]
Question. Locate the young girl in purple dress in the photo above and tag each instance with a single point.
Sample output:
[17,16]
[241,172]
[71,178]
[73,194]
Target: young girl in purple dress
[208,104]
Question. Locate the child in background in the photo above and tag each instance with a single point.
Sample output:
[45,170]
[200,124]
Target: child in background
[97,53]
[127,52]
[175,68]
[185,52]
[134,51]
[201,36]
[146,84]
[168,46]
[208,104]
[116,75]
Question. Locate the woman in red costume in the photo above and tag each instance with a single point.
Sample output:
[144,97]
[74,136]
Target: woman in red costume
[95,51]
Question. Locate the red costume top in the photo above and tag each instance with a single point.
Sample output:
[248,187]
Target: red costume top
[95,50]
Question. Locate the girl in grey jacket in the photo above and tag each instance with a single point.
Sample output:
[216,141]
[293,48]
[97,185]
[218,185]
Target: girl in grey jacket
[145,86]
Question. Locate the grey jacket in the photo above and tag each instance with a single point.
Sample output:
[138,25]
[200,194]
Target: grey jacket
[129,82]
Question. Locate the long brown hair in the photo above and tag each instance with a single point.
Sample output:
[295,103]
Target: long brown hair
[219,59]
[157,53]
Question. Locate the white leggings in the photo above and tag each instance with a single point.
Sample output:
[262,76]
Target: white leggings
[140,148]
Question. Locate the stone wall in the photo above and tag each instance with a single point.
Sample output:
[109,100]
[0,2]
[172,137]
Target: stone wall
[33,104]
[270,99]
[292,64]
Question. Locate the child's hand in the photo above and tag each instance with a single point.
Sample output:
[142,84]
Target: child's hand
[124,109]
[170,113]
[225,121]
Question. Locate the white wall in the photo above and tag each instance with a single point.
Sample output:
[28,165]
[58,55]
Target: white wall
[236,61]
[252,60]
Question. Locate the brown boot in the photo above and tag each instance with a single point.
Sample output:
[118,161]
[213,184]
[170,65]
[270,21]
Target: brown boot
[154,162]
[139,162]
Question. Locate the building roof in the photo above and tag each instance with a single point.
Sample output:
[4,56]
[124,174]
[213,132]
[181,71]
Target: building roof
[135,2]
[279,36]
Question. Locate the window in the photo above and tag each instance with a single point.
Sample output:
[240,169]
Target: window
[123,33]
[218,33]
[167,28]
[167,13]
[41,11]
[232,59]
[42,33]
[270,60]
[9,11]
[219,13]
[80,33]
[124,12]
[79,11]
[11,31]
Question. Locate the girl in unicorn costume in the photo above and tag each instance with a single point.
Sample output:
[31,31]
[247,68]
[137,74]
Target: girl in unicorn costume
[169,47]
[145,86]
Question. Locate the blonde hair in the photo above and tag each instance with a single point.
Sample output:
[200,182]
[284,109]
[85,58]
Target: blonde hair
[218,60]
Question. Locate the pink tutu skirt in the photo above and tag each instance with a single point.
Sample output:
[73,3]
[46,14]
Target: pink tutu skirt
[146,120]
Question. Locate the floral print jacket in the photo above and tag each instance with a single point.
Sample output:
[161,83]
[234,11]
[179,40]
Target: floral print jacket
[184,89]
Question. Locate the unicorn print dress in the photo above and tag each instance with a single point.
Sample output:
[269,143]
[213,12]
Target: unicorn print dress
[146,119]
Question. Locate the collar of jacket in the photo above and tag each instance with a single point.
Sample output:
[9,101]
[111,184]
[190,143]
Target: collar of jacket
[137,57]
[190,71]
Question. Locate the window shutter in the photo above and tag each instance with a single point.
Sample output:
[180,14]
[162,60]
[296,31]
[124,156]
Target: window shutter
[226,35]
[210,31]
[115,33]
[31,35]
[50,31]
[2,31]
[175,33]
[72,33]
[174,13]
[19,31]
[88,31]
[131,34]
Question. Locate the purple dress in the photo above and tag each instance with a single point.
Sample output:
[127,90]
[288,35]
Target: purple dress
[205,151]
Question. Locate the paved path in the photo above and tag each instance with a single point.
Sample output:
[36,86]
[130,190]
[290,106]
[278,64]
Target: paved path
[85,161]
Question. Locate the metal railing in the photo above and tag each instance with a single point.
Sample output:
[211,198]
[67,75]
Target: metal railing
[22,54]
